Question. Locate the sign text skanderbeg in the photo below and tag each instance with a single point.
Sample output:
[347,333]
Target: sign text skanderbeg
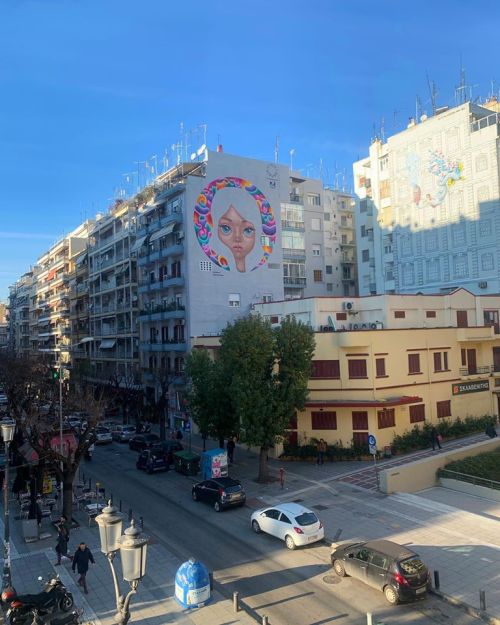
[470,387]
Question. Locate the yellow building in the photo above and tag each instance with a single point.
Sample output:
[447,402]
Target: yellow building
[384,364]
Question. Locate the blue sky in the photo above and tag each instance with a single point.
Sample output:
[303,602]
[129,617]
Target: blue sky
[90,87]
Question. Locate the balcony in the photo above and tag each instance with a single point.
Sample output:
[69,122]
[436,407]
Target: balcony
[174,345]
[290,253]
[292,225]
[476,334]
[162,284]
[292,281]
[150,257]
[160,313]
[476,371]
[297,199]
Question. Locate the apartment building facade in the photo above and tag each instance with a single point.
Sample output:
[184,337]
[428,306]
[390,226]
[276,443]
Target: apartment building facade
[396,361]
[19,314]
[428,202]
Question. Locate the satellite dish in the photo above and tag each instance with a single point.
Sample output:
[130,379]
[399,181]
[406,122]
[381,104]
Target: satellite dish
[193,156]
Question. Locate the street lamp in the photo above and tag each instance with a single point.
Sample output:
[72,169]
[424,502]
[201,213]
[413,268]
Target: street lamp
[8,428]
[132,547]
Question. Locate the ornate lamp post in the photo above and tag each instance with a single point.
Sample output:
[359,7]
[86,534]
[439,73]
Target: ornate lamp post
[8,428]
[132,547]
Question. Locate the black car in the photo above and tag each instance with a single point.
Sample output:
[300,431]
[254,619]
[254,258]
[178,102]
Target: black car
[221,492]
[168,446]
[143,441]
[395,570]
[150,461]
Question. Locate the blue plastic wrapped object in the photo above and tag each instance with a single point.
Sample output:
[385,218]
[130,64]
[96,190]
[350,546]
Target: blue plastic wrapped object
[192,584]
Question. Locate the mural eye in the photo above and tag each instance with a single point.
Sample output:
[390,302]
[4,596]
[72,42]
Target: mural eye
[225,229]
[249,231]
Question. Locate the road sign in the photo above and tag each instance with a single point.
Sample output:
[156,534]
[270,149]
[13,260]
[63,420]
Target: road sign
[373,450]
[372,441]
[186,426]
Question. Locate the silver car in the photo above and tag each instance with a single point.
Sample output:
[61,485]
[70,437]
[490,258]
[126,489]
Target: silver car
[123,433]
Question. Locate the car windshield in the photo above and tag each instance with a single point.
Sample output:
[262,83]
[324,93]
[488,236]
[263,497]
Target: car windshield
[306,518]
[412,566]
[233,489]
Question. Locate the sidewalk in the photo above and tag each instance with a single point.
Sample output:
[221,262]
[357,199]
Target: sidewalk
[154,603]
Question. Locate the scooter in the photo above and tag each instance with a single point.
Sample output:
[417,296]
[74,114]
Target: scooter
[54,597]
[89,452]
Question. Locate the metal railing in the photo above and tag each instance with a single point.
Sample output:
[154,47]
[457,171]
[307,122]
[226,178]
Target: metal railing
[479,370]
[471,479]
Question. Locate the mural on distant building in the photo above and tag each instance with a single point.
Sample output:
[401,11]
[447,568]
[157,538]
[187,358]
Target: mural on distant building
[235,230]
[447,172]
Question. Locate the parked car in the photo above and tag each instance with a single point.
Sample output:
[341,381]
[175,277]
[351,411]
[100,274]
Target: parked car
[151,461]
[143,441]
[220,492]
[291,522]
[103,436]
[123,433]
[395,570]
[3,399]
[169,446]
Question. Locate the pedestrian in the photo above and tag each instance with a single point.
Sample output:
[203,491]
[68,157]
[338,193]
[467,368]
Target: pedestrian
[321,451]
[490,430]
[178,435]
[81,560]
[62,539]
[435,438]
[230,449]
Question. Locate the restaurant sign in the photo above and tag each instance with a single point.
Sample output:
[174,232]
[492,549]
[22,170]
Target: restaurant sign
[470,387]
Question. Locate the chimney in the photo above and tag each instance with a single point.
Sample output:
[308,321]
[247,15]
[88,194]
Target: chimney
[220,148]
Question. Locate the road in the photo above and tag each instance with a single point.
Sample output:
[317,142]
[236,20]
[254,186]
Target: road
[291,587]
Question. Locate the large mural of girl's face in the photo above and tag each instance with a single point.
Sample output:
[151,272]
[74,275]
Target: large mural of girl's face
[238,234]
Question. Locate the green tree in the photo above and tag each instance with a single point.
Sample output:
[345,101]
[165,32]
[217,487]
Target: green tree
[267,371]
[208,399]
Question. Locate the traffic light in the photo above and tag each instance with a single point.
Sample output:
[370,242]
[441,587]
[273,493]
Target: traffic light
[54,374]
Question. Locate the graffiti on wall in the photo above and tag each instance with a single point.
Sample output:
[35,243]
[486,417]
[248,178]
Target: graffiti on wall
[235,229]
[446,170]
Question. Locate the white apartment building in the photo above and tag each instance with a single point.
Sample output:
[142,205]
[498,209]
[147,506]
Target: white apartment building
[427,214]
[19,313]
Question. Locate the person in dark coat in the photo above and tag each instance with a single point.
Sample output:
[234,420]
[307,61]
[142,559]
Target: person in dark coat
[230,449]
[62,539]
[81,560]
[435,439]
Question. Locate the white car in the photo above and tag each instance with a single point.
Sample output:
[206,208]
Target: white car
[103,436]
[296,525]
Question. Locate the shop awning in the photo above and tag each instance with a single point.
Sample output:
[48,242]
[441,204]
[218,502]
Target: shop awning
[162,232]
[107,344]
[360,403]
[81,259]
[139,243]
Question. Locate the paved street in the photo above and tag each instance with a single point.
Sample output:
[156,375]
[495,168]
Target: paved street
[292,588]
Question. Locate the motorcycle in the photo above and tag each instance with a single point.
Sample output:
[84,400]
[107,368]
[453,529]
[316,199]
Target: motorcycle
[89,452]
[54,597]
[73,618]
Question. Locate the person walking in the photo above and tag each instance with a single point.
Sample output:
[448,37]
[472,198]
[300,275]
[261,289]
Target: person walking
[62,539]
[230,449]
[435,439]
[81,560]
[321,451]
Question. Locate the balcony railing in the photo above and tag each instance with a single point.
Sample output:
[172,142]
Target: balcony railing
[478,370]
[291,281]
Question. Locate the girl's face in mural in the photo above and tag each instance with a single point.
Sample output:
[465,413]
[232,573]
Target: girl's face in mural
[238,234]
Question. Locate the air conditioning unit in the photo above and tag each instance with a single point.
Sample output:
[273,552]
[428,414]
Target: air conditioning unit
[364,326]
[348,305]
[482,285]
[327,329]
[373,326]
[354,326]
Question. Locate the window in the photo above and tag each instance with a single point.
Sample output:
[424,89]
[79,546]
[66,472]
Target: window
[324,420]
[385,189]
[292,240]
[399,314]
[443,409]
[327,216]
[360,439]
[341,316]
[329,286]
[440,361]
[316,250]
[315,223]
[380,367]
[363,205]
[386,418]
[365,256]
[328,270]
[357,369]
[487,262]
[413,363]
[363,230]
[430,314]
[417,413]
[313,199]
[460,266]
[318,275]
[285,519]
[274,319]
[234,300]
[377,559]
[326,369]
[267,298]
[359,420]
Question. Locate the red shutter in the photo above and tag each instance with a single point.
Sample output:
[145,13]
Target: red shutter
[380,366]
[417,413]
[437,361]
[359,420]
[324,420]
[357,369]
[413,363]
[443,409]
[386,418]
[325,369]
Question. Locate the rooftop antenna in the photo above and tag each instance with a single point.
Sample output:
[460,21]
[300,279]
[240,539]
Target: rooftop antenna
[292,152]
[394,117]
[433,93]
[276,149]
[139,163]
[165,160]
[418,108]
[461,90]
[382,130]
[321,170]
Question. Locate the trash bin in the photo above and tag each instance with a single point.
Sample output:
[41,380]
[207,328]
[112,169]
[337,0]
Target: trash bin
[192,584]
[186,462]
[387,451]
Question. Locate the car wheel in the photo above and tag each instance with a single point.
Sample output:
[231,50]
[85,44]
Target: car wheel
[338,567]
[289,542]
[255,527]
[194,495]
[217,506]
[391,595]
[66,603]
